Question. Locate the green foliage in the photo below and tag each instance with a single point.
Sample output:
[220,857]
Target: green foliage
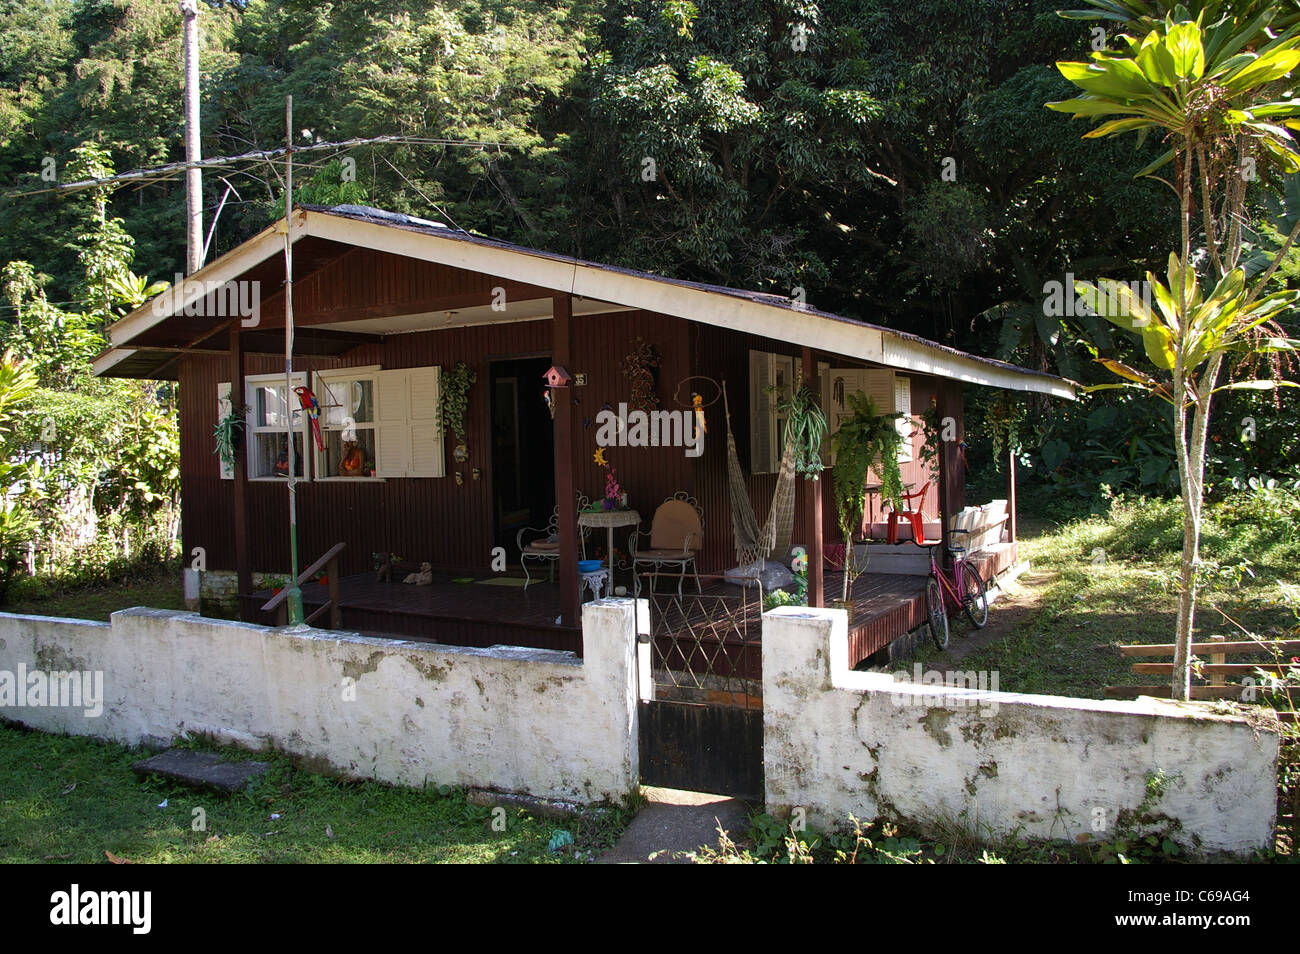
[455,398]
[866,440]
[805,429]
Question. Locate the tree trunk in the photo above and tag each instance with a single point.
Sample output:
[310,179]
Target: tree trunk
[1191,465]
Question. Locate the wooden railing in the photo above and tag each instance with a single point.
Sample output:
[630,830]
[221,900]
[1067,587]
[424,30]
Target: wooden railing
[1217,649]
[329,562]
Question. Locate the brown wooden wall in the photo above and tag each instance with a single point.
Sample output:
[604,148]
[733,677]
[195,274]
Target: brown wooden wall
[450,525]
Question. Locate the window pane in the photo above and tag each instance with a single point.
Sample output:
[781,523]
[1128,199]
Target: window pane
[342,399]
[271,455]
[349,458]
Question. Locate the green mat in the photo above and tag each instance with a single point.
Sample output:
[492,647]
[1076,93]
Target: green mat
[503,581]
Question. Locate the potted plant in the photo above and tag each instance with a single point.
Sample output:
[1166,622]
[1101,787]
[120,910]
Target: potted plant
[454,405]
[229,432]
[805,424]
[865,441]
[274,582]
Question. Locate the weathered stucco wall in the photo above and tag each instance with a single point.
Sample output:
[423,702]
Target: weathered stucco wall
[838,742]
[516,720]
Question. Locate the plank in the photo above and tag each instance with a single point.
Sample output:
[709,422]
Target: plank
[1210,669]
[1282,646]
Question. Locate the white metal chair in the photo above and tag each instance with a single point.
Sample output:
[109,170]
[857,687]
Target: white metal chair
[676,536]
[544,543]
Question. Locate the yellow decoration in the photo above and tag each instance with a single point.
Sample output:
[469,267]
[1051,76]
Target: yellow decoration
[699,413]
[599,457]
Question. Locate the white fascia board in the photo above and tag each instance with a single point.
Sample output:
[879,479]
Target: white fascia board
[177,297]
[109,360]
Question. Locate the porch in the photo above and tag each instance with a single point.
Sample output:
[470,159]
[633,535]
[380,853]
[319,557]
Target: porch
[482,609]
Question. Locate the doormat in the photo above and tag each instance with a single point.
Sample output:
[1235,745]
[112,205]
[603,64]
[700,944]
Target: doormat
[503,581]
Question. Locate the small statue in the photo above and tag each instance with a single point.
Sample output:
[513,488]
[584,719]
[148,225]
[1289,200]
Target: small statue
[384,566]
[353,463]
[423,578]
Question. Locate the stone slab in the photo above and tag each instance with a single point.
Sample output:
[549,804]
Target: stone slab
[201,769]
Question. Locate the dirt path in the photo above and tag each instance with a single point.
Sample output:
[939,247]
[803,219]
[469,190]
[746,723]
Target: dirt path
[1020,600]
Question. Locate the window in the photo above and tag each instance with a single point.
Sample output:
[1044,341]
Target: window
[270,411]
[348,423]
[374,424]
[889,392]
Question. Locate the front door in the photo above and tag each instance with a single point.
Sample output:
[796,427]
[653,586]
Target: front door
[523,451]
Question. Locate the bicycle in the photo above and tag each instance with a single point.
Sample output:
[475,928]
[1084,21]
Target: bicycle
[962,589]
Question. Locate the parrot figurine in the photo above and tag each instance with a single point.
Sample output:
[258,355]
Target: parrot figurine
[698,402]
[312,407]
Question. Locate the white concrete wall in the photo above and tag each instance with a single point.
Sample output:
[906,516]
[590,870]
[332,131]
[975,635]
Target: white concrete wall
[515,720]
[997,764]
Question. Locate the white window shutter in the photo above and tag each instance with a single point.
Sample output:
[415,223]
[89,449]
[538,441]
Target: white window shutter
[762,420]
[903,406]
[427,455]
[223,408]
[393,442]
[878,384]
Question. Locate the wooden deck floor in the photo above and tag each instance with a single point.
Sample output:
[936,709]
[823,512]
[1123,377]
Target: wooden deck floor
[489,612]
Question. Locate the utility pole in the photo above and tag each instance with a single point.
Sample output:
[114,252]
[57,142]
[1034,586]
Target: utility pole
[193,175]
[295,592]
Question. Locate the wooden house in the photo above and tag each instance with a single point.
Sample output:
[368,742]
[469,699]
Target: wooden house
[386,306]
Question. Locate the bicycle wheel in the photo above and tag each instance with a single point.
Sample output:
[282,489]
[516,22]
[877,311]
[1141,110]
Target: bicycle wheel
[974,601]
[938,613]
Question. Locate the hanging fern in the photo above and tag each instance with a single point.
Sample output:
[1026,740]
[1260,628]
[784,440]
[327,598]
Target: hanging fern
[805,427]
[454,405]
[229,432]
[864,442]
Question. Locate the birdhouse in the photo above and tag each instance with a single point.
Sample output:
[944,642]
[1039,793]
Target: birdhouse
[557,377]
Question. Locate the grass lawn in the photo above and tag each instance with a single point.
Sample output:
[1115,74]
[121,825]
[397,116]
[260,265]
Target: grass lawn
[98,601]
[1098,583]
[75,799]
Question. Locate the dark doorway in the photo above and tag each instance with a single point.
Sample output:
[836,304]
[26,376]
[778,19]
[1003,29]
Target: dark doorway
[523,450]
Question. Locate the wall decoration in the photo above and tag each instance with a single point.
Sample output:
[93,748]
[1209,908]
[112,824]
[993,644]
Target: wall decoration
[229,434]
[454,405]
[640,366]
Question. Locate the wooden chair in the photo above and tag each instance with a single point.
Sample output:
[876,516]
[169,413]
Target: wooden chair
[914,517]
[676,536]
[544,543]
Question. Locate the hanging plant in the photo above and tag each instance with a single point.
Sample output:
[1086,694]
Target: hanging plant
[229,432]
[639,367]
[864,442]
[1003,418]
[805,428]
[454,405]
[929,450]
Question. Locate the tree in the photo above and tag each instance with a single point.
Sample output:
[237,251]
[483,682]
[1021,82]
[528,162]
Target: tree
[1209,90]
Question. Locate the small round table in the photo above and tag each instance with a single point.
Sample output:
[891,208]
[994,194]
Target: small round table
[609,519]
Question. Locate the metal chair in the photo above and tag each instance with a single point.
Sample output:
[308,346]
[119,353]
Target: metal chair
[544,547]
[676,536]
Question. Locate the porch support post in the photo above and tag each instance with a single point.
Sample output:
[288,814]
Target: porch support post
[1011,495]
[812,494]
[952,455]
[243,564]
[564,488]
